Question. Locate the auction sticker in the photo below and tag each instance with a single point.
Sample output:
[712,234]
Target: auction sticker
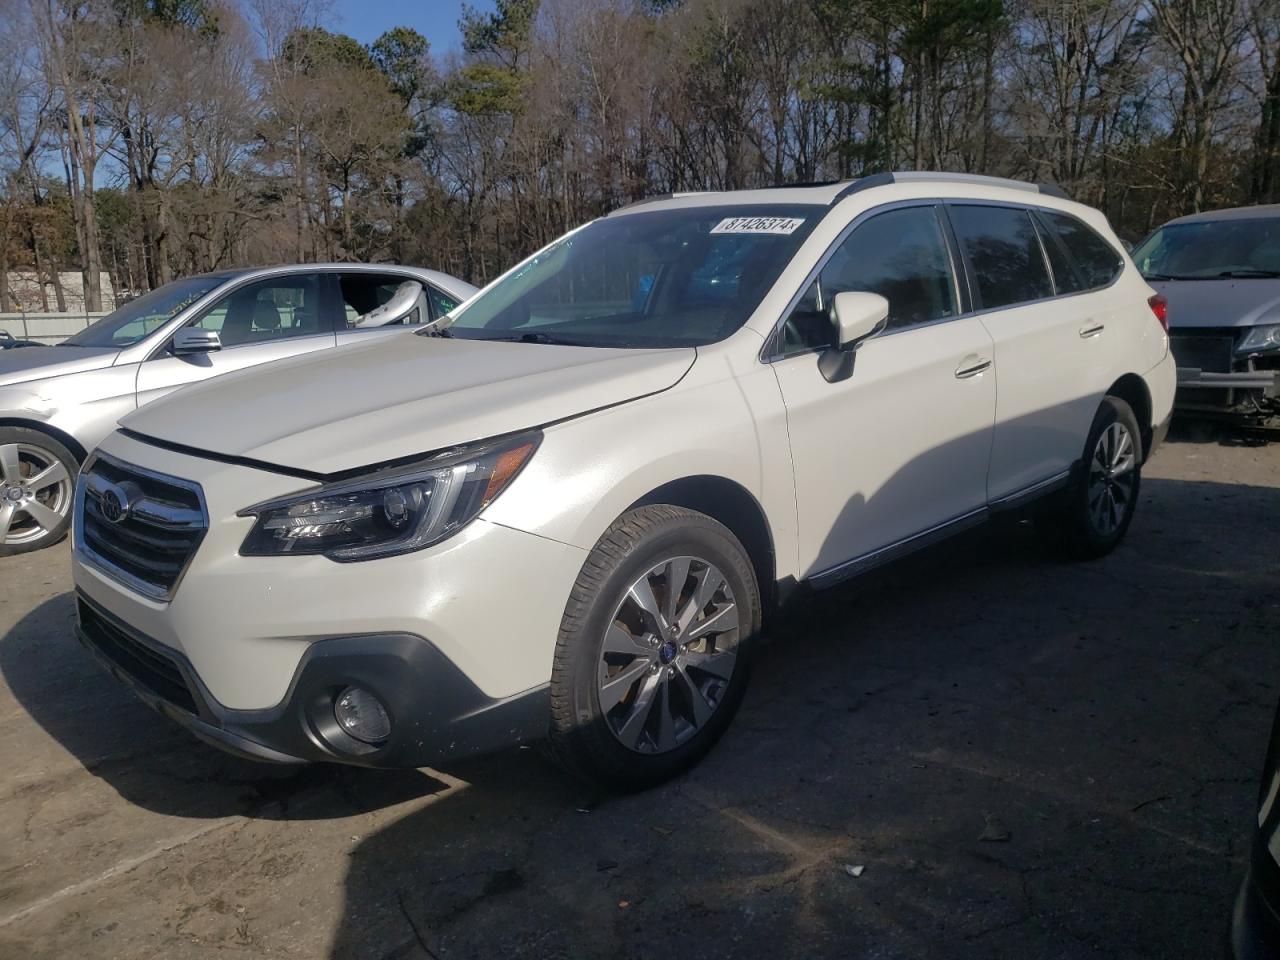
[778,225]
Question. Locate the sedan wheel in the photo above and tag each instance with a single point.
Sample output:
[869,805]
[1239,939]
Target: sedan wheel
[35,494]
[37,487]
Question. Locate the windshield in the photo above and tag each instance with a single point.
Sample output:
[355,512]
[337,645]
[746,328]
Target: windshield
[1211,249]
[136,319]
[670,278]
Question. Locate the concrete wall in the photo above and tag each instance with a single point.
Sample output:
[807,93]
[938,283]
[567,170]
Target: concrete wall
[46,327]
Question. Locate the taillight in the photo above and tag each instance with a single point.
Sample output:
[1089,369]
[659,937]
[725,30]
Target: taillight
[1160,307]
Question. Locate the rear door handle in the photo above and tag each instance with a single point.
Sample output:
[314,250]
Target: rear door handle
[1092,329]
[971,366]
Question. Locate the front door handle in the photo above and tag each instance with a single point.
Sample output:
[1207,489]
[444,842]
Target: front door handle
[1092,329]
[971,366]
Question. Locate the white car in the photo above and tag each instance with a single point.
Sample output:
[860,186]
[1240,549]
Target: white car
[565,516]
[57,403]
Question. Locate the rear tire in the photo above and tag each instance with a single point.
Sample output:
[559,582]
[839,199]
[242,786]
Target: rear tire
[37,482]
[645,681]
[1090,518]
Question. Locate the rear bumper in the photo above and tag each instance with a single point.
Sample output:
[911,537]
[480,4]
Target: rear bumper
[437,713]
[1158,434]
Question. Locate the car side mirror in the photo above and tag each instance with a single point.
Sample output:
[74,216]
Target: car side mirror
[409,296]
[194,340]
[856,316]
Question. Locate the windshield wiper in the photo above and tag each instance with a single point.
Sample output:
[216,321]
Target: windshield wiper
[1173,276]
[1250,274]
[532,337]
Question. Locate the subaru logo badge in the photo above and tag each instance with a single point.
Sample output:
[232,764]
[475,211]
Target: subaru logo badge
[115,504]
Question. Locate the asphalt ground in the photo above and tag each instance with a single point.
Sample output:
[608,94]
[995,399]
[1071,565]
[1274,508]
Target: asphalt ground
[1026,759]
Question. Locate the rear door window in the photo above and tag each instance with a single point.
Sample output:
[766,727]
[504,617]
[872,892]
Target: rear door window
[364,292]
[1098,261]
[1004,254]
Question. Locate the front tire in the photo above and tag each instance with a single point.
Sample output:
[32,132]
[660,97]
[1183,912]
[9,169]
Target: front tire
[37,482]
[1091,516]
[652,657]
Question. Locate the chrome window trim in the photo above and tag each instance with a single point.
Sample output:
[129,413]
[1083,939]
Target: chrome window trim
[179,519]
[770,354]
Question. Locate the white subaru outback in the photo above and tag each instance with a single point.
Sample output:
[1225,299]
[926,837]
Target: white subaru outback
[564,514]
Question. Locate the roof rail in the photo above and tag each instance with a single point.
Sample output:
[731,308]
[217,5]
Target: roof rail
[656,197]
[864,183]
[924,176]
[642,200]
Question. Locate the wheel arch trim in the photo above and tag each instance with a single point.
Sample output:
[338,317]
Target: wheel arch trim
[733,505]
[1133,390]
[39,426]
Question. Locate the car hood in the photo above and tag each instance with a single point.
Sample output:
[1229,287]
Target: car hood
[35,363]
[397,397]
[1220,303]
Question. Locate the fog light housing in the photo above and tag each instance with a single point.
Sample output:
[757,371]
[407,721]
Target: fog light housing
[361,715]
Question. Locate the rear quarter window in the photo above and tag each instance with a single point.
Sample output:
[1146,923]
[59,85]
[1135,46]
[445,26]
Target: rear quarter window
[1097,261]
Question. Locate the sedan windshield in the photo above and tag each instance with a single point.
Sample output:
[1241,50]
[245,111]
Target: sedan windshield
[1209,249]
[133,321]
[669,278]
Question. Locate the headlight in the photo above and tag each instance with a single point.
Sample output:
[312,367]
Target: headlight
[1260,339]
[391,511]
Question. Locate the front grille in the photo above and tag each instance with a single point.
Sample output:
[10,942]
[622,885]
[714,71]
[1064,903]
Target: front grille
[138,526]
[155,671]
[1208,351]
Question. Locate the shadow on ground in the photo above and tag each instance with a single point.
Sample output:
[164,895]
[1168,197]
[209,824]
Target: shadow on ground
[152,762]
[1028,758]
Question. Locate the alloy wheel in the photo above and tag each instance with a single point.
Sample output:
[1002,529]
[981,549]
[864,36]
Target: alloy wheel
[1112,472]
[35,493]
[668,654]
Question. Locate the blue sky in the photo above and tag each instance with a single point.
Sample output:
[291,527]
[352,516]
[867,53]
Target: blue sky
[437,20]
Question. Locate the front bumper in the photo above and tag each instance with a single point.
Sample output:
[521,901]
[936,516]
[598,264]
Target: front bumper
[437,713]
[1267,381]
[456,640]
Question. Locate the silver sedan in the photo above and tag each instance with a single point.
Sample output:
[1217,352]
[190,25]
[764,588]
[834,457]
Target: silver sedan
[57,403]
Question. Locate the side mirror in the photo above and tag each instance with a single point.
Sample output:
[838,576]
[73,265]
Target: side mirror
[193,340]
[855,316]
[409,296]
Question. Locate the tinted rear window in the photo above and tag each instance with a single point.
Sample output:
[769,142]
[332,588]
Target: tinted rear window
[1004,252]
[1097,261]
